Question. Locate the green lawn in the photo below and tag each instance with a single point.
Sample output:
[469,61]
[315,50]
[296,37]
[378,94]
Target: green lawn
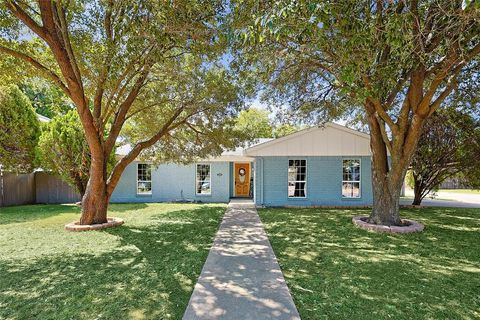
[337,271]
[145,269]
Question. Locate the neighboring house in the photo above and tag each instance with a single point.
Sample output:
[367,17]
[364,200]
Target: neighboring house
[320,166]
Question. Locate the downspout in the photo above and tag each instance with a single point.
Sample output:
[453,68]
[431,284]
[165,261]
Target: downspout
[263,181]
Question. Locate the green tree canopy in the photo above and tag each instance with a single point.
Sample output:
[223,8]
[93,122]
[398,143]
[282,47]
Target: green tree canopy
[203,103]
[63,150]
[19,130]
[448,147]
[107,57]
[254,123]
[285,129]
[393,62]
[47,99]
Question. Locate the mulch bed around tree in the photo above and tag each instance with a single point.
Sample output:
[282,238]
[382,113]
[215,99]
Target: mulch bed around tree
[76,226]
[409,226]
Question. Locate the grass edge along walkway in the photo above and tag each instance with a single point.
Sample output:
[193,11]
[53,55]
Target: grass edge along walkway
[145,269]
[241,279]
[337,271]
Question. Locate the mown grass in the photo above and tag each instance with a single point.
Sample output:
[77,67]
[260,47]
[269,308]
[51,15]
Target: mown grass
[337,271]
[145,269]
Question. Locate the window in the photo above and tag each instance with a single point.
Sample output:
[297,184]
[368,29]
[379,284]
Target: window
[144,178]
[351,178]
[203,181]
[297,178]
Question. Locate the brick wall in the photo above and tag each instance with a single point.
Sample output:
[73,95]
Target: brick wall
[324,182]
[174,182]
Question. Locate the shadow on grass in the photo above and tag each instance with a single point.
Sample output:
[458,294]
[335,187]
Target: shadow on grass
[28,213]
[338,271]
[150,275]
[123,207]
[19,214]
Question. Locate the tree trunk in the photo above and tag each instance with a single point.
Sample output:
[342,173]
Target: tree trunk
[386,210]
[96,198]
[417,199]
[417,190]
[94,208]
[388,171]
[79,184]
[386,199]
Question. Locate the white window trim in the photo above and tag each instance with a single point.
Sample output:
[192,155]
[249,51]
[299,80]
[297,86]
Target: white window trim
[359,181]
[306,179]
[148,193]
[196,181]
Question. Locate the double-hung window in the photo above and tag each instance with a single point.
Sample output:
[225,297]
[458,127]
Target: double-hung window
[351,178]
[203,181]
[144,179]
[297,178]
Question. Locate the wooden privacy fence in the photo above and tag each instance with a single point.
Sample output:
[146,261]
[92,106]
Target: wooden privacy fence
[32,188]
[17,189]
[453,183]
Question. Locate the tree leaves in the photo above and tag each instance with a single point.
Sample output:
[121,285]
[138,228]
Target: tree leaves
[209,99]
[449,143]
[63,150]
[254,123]
[19,130]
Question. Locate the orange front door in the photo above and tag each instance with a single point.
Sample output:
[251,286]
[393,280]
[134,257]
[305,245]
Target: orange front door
[242,179]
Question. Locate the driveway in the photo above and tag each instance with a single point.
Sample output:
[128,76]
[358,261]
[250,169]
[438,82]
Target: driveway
[445,199]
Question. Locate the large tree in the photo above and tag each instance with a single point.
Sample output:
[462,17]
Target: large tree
[19,130]
[104,55]
[449,146]
[213,100]
[394,62]
[63,150]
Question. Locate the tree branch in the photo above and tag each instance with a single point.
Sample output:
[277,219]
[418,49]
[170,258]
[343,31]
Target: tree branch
[156,104]
[61,21]
[120,115]
[452,81]
[98,97]
[118,89]
[393,94]
[18,12]
[46,71]
[126,160]
[387,141]
[58,47]
[383,114]
[438,101]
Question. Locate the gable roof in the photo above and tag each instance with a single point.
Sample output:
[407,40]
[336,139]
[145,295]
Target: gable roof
[237,154]
[331,139]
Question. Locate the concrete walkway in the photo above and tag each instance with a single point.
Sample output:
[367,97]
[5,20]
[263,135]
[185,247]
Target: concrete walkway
[241,278]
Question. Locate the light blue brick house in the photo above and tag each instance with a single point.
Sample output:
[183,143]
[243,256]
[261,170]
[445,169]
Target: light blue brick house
[320,166]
